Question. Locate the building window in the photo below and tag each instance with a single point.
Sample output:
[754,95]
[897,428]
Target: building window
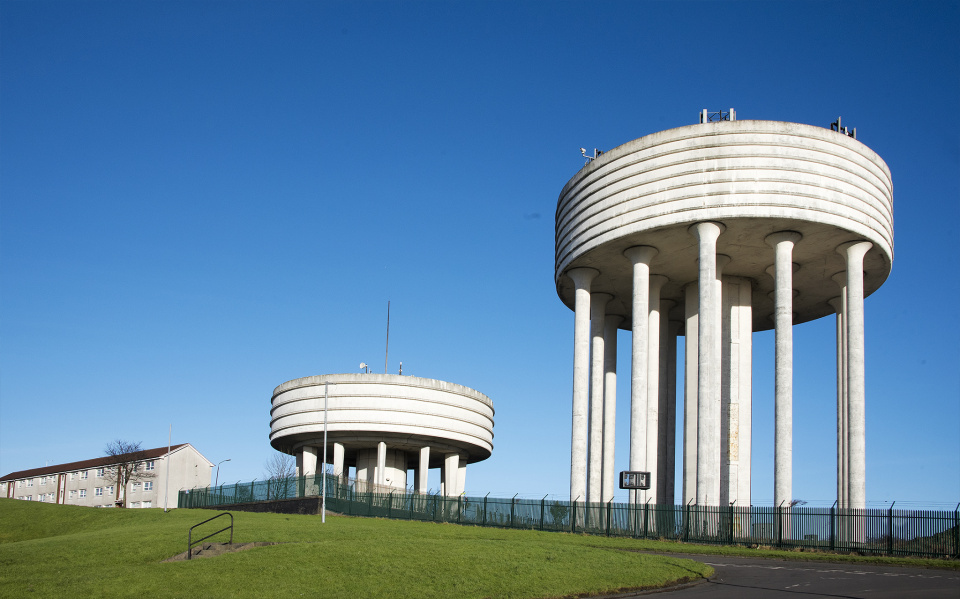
[84,474]
[135,504]
[83,493]
[29,482]
[110,490]
[150,465]
[147,504]
[98,491]
[99,472]
[136,487]
[73,494]
[73,475]
[148,486]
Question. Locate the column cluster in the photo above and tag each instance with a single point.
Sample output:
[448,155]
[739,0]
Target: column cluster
[376,466]
[717,412]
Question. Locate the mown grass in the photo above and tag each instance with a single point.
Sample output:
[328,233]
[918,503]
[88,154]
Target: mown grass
[67,551]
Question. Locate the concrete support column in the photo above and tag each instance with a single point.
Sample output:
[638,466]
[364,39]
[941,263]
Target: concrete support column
[608,483]
[309,461]
[338,470]
[673,329]
[783,243]
[423,470]
[462,477]
[736,391]
[708,366]
[653,389]
[640,256]
[598,309]
[581,277]
[839,304]
[856,377]
[451,471]
[663,409]
[690,331]
[723,398]
[379,477]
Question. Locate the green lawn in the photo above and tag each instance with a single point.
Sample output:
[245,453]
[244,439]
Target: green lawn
[67,551]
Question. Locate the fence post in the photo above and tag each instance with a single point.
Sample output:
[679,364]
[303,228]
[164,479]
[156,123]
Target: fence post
[890,529]
[485,508]
[646,519]
[390,505]
[513,503]
[542,505]
[435,498]
[956,531]
[573,515]
[609,508]
[686,521]
[459,509]
[730,524]
[780,525]
[833,527]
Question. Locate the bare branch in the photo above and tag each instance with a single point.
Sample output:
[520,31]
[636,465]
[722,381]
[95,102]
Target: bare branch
[129,466]
[280,466]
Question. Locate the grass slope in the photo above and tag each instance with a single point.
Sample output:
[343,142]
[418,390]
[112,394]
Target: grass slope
[67,551]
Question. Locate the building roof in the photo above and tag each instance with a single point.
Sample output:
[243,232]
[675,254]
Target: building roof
[146,454]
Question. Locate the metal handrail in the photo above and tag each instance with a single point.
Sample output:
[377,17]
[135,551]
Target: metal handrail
[191,542]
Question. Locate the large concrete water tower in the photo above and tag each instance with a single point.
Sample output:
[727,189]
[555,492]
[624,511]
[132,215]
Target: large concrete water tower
[383,425]
[714,231]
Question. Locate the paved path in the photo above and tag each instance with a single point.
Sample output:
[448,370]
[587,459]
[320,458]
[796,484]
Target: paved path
[747,578]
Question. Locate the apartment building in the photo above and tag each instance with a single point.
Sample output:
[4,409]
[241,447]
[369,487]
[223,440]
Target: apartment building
[89,482]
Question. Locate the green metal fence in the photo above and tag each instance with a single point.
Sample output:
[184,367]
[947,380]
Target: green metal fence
[870,532]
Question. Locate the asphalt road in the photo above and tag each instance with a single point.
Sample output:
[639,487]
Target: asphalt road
[747,578]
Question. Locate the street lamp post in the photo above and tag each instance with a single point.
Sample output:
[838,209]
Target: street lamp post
[217,479]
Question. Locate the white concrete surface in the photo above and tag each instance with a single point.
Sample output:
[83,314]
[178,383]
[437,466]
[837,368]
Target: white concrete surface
[581,278]
[753,178]
[783,243]
[609,482]
[640,258]
[598,307]
[373,414]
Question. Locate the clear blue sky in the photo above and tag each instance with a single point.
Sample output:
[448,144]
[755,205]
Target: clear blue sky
[202,200]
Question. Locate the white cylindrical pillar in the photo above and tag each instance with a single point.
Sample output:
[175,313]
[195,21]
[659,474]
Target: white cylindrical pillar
[653,389]
[691,308]
[309,461]
[381,473]
[663,414]
[610,327]
[736,392]
[338,461]
[423,470]
[598,309]
[783,243]
[640,256]
[462,476]
[708,366]
[451,471]
[673,328]
[838,304]
[854,253]
[581,277]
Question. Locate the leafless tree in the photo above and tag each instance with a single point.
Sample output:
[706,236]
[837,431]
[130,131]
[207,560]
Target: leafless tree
[280,472]
[128,465]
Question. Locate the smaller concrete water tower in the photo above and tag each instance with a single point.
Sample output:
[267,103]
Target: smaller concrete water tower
[383,425]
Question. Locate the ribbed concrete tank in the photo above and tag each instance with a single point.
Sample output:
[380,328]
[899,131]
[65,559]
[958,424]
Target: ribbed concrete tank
[717,230]
[383,425]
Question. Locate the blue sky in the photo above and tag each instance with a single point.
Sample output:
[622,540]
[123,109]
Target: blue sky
[202,200]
